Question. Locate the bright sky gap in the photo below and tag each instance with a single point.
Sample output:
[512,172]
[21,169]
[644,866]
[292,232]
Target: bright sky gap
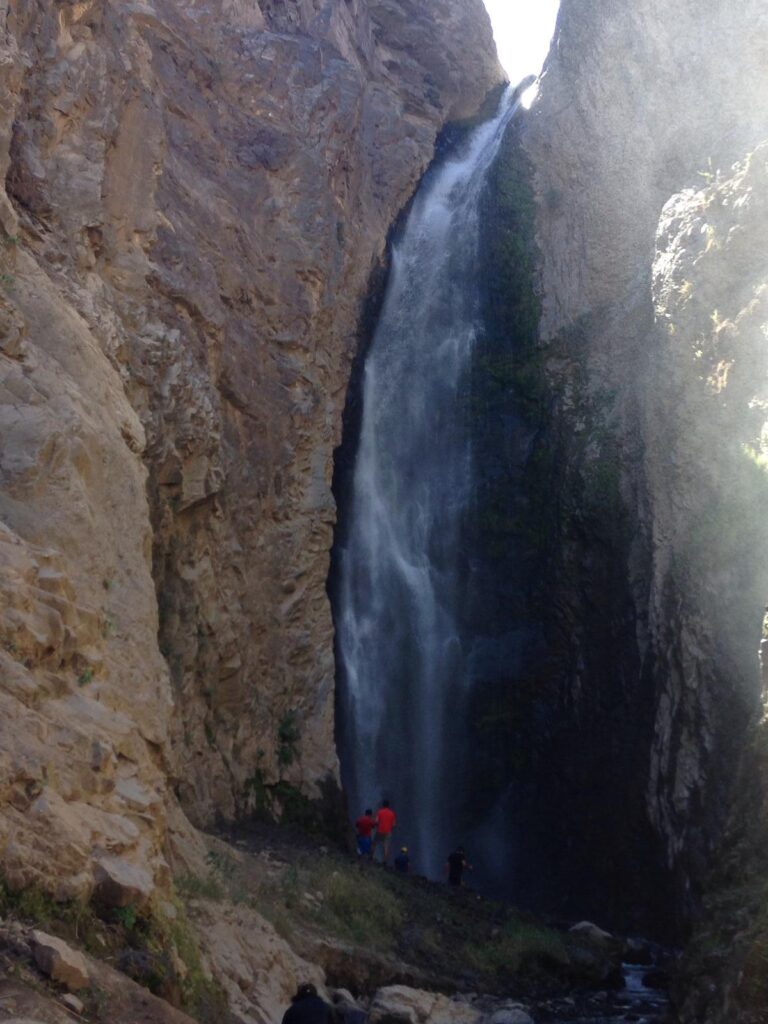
[523,30]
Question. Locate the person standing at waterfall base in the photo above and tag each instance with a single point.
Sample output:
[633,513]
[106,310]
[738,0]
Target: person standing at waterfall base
[456,865]
[364,826]
[386,819]
[403,861]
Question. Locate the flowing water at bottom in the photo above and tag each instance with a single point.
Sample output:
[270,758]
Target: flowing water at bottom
[636,1002]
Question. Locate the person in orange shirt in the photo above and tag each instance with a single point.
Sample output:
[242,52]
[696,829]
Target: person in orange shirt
[386,819]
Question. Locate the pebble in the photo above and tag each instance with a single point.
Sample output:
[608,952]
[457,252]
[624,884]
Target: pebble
[73,1003]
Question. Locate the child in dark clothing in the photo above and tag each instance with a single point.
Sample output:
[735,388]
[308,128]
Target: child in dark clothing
[403,861]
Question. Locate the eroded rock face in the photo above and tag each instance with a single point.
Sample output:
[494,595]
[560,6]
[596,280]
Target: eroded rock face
[85,695]
[257,969]
[195,196]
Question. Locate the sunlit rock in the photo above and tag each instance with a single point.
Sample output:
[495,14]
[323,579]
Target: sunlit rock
[60,962]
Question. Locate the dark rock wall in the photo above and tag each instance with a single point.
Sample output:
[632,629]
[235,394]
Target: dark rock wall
[639,523]
[562,716]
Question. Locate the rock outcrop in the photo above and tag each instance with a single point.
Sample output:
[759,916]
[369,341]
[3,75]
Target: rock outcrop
[195,196]
[258,970]
[35,965]
[710,288]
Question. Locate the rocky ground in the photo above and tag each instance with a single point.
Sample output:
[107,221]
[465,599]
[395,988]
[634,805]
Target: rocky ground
[274,907]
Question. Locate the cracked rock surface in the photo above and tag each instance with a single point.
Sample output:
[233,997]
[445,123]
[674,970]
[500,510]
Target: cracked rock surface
[196,195]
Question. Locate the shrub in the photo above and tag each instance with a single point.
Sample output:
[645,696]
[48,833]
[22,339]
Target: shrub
[359,907]
[517,944]
[288,736]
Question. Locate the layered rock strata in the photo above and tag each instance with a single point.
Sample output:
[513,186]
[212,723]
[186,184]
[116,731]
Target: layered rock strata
[195,195]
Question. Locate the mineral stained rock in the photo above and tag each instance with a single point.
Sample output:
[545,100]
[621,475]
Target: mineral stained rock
[195,197]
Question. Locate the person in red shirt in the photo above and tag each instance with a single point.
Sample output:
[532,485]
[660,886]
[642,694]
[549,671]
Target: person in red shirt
[364,826]
[386,819]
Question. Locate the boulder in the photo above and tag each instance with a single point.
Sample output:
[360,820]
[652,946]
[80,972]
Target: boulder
[657,979]
[120,884]
[511,1015]
[347,1010]
[588,930]
[342,997]
[639,952]
[399,1004]
[60,962]
[73,1003]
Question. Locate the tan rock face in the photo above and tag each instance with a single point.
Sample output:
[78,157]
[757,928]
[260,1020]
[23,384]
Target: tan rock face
[635,103]
[258,970]
[710,288]
[196,194]
[85,696]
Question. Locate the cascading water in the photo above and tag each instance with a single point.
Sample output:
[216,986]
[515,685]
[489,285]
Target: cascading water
[402,575]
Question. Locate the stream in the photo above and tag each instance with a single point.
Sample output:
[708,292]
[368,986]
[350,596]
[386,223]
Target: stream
[636,1002]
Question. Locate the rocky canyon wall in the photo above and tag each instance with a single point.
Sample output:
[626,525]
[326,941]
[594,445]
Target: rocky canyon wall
[710,288]
[195,195]
[643,502]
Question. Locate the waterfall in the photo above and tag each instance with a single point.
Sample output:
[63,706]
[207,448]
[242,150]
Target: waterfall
[402,573]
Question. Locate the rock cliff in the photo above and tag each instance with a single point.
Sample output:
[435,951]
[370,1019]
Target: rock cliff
[617,595]
[195,195]
[710,281]
[642,497]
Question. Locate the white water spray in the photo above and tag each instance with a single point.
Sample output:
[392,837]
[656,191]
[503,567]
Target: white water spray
[402,570]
